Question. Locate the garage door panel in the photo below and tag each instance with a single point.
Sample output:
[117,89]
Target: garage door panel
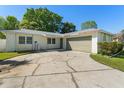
[79,44]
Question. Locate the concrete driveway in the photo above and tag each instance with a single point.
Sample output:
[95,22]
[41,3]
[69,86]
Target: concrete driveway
[64,69]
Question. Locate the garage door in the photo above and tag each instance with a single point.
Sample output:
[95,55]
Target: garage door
[80,44]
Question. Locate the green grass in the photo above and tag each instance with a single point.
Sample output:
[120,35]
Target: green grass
[7,55]
[117,63]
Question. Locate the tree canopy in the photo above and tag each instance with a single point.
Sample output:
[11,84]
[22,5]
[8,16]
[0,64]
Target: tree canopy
[41,19]
[88,25]
[2,22]
[68,27]
[11,23]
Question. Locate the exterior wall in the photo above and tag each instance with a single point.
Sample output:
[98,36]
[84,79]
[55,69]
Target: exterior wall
[22,47]
[95,43]
[54,46]
[64,43]
[101,37]
[2,45]
[41,43]
[10,41]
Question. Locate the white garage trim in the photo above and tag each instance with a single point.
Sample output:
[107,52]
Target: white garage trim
[94,43]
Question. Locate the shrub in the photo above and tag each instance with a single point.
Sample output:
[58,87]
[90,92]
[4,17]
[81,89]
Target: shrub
[110,48]
[2,36]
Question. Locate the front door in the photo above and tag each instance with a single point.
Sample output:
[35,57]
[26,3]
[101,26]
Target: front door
[61,43]
[35,45]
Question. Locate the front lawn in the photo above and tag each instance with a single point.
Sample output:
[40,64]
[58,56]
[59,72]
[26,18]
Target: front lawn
[117,63]
[8,55]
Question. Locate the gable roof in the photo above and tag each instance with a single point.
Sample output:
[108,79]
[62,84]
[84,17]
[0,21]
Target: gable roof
[86,32]
[34,32]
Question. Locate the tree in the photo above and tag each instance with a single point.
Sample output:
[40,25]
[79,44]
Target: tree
[88,25]
[2,22]
[41,19]
[24,24]
[67,27]
[11,23]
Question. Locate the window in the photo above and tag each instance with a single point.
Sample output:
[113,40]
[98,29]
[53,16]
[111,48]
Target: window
[53,41]
[110,38]
[48,40]
[29,40]
[104,37]
[21,40]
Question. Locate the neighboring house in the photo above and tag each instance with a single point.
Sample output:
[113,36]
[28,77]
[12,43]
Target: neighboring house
[86,40]
[117,37]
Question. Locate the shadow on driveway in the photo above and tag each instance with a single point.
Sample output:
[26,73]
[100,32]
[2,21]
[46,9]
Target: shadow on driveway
[13,62]
[9,64]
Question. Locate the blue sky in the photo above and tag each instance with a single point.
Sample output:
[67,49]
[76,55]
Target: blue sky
[109,18]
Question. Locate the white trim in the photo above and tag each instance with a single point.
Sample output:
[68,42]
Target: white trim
[94,43]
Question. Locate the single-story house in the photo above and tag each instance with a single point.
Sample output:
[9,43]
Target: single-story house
[86,40]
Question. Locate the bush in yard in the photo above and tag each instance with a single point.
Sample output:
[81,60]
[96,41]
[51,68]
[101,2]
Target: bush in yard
[110,48]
